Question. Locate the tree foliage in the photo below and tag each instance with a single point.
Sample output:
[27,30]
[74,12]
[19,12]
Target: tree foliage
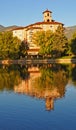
[9,45]
[23,48]
[60,42]
[43,39]
[73,44]
[54,43]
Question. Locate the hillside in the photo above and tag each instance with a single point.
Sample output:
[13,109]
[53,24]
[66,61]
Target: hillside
[9,28]
[1,27]
[69,31]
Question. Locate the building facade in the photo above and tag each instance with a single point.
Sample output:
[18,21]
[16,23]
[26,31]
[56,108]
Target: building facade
[47,24]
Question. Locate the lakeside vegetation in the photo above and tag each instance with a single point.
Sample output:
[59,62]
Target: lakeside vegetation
[52,45]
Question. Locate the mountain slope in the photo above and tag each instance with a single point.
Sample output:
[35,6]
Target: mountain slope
[1,27]
[69,31]
[9,28]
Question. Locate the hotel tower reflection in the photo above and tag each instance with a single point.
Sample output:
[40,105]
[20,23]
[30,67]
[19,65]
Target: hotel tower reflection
[46,83]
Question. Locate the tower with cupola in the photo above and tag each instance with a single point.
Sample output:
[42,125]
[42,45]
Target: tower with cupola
[47,16]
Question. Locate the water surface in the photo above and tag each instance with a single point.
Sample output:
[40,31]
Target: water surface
[38,97]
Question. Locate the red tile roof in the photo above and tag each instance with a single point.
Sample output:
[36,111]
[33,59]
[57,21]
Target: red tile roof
[18,28]
[38,23]
[47,11]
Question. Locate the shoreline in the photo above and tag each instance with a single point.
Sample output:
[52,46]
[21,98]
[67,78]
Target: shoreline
[38,61]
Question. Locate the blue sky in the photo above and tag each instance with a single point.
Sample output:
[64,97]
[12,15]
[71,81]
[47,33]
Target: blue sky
[25,12]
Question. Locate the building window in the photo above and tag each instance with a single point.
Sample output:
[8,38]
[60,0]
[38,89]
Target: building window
[48,20]
[47,14]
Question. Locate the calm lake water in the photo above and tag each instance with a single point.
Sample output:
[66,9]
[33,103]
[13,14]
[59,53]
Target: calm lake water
[38,97]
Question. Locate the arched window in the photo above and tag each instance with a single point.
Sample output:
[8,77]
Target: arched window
[47,14]
[48,20]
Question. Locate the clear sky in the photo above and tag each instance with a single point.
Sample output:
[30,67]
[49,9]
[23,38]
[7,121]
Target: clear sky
[25,12]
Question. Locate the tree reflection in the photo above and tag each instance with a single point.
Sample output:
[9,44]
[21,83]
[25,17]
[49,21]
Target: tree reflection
[51,84]
[46,82]
[73,74]
[11,76]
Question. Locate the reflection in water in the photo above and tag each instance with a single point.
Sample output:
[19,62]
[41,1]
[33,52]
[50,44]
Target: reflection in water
[46,82]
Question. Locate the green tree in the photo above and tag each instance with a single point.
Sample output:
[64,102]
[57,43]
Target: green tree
[9,46]
[73,44]
[60,42]
[44,39]
[68,50]
[23,48]
[53,43]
